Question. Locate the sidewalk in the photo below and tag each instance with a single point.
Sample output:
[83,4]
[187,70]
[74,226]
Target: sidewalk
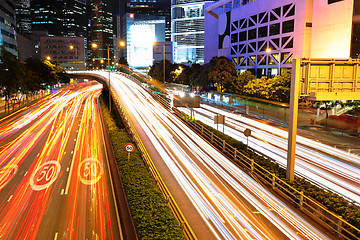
[17,106]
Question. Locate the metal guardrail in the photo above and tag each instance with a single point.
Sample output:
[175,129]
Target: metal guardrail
[341,228]
[187,230]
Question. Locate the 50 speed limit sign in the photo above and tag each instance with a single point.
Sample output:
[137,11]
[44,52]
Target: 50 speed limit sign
[129,147]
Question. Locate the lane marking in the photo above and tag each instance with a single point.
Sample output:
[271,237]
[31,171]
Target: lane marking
[26,173]
[73,160]
[56,236]
[10,198]
[72,152]
[67,169]
[74,139]
[62,191]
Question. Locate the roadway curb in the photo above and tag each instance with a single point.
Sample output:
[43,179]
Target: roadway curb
[127,224]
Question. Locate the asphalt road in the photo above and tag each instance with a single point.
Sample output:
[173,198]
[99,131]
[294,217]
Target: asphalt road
[54,173]
[325,165]
[217,198]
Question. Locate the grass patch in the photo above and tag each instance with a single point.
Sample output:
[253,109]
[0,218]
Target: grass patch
[152,216]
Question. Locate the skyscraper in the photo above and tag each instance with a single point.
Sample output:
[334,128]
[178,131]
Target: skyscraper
[187,30]
[46,15]
[152,8]
[101,32]
[23,17]
[58,17]
[7,26]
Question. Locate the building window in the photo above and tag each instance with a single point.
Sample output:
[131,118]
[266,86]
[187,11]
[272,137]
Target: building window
[234,38]
[242,36]
[277,11]
[286,9]
[333,1]
[290,44]
[288,26]
[252,34]
[274,29]
[262,32]
[263,18]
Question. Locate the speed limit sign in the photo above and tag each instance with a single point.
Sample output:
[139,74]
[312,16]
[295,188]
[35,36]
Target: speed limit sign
[129,147]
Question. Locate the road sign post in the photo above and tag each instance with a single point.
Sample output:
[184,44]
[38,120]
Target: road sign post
[247,134]
[129,148]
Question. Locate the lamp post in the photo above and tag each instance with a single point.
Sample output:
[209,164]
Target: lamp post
[268,50]
[76,54]
[163,43]
[109,76]
[94,45]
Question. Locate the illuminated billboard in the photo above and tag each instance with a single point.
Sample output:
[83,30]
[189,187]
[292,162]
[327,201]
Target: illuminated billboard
[141,40]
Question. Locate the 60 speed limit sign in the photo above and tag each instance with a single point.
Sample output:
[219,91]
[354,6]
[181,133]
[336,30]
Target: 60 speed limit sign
[129,147]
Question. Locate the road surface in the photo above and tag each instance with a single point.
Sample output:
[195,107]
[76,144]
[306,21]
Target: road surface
[224,199]
[327,166]
[54,173]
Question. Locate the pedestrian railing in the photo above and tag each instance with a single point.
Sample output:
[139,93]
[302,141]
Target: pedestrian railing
[333,222]
[338,226]
[188,232]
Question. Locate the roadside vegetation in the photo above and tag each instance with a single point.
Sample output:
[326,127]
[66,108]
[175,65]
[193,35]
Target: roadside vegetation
[27,77]
[220,74]
[152,216]
[349,211]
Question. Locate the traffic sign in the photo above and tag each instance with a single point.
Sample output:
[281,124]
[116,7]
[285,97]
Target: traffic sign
[129,147]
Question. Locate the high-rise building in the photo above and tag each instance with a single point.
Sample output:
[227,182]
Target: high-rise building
[59,17]
[152,8]
[101,33]
[142,31]
[46,15]
[69,52]
[265,35]
[355,41]
[74,18]
[23,17]
[187,30]
[7,26]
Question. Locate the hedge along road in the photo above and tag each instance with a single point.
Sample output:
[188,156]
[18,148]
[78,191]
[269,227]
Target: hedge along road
[218,200]
[54,172]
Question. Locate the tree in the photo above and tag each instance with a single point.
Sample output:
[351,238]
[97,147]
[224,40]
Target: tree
[223,74]
[12,73]
[241,80]
[157,71]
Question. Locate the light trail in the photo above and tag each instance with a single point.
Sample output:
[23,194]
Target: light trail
[36,205]
[320,163]
[231,203]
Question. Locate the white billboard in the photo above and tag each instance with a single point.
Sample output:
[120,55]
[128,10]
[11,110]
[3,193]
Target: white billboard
[141,40]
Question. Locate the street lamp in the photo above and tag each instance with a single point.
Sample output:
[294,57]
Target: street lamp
[268,50]
[76,53]
[94,45]
[48,58]
[163,43]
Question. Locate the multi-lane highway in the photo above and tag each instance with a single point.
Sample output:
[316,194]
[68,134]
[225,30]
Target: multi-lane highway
[217,198]
[327,166]
[54,173]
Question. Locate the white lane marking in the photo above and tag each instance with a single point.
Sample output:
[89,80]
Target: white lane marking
[62,191]
[25,173]
[72,152]
[74,139]
[72,160]
[67,169]
[10,198]
[56,236]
